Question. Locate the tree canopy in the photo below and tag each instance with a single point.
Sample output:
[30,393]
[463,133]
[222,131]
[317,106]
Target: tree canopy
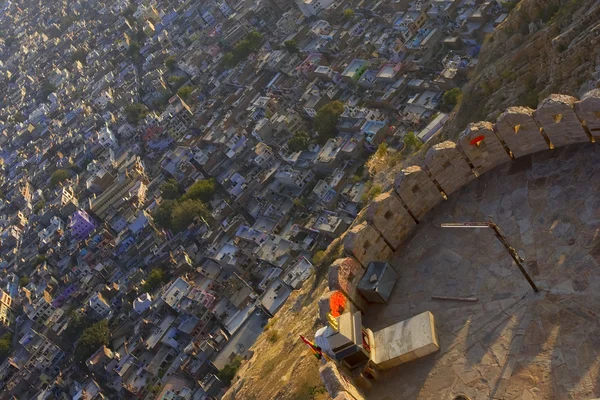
[170,63]
[135,113]
[326,120]
[162,213]
[291,46]
[47,89]
[59,176]
[348,13]
[243,48]
[228,372]
[170,190]
[91,339]
[155,279]
[202,190]
[5,345]
[185,212]
[299,142]
[79,55]
[452,97]
[185,92]
[412,142]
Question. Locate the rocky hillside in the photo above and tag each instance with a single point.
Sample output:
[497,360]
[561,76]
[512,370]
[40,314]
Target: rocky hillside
[543,47]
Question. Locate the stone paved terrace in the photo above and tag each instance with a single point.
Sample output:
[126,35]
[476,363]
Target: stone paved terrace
[512,343]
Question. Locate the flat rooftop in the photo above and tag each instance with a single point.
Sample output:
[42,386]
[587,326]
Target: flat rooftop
[513,343]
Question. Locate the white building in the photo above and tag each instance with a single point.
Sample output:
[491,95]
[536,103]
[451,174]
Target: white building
[142,303]
[313,7]
[56,225]
[107,139]
[100,305]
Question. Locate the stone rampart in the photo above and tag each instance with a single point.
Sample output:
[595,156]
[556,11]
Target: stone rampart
[482,147]
[447,165]
[521,133]
[364,243]
[417,191]
[556,116]
[588,111]
[387,214]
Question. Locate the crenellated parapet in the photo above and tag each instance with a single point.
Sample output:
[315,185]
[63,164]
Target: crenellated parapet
[387,215]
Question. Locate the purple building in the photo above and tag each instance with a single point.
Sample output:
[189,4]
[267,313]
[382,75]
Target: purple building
[81,225]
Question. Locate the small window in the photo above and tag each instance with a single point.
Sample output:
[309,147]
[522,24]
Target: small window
[557,118]
[351,277]
[517,128]
[415,189]
[367,245]
[446,164]
[388,214]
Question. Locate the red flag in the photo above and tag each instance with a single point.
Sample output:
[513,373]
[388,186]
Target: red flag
[315,349]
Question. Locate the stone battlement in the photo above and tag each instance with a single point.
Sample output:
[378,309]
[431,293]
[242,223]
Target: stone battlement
[389,219]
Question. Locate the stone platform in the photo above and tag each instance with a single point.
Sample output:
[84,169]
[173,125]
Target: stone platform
[512,343]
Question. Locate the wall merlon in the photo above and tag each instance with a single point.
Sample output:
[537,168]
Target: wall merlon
[556,116]
[520,132]
[364,243]
[482,147]
[588,111]
[344,275]
[416,189]
[388,215]
[448,166]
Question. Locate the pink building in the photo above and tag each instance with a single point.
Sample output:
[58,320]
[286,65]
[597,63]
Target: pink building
[81,225]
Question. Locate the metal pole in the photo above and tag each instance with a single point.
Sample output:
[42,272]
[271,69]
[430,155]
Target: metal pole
[513,253]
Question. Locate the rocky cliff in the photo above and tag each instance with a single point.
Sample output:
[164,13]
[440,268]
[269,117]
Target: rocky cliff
[543,47]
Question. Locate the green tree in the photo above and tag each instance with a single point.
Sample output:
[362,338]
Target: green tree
[155,279]
[59,176]
[229,60]
[326,120]
[299,142]
[24,280]
[348,13]
[135,113]
[47,89]
[291,46]
[228,372]
[170,190]
[162,214]
[255,38]
[76,326]
[91,339]
[5,345]
[19,117]
[171,63]
[185,92]
[185,212]
[202,190]
[452,97]
[79,55]
[412,142]
[176,81]
[382,150]
[134,50]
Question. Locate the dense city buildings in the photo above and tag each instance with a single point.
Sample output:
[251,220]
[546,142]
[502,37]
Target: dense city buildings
[170,168]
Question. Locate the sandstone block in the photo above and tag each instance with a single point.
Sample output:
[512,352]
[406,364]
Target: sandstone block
[556,116]
[482,147]
[417,190]
[337,383]
[517,128]
[344,275]
[588,111]
[387,214]
[366,245]
[448,166]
